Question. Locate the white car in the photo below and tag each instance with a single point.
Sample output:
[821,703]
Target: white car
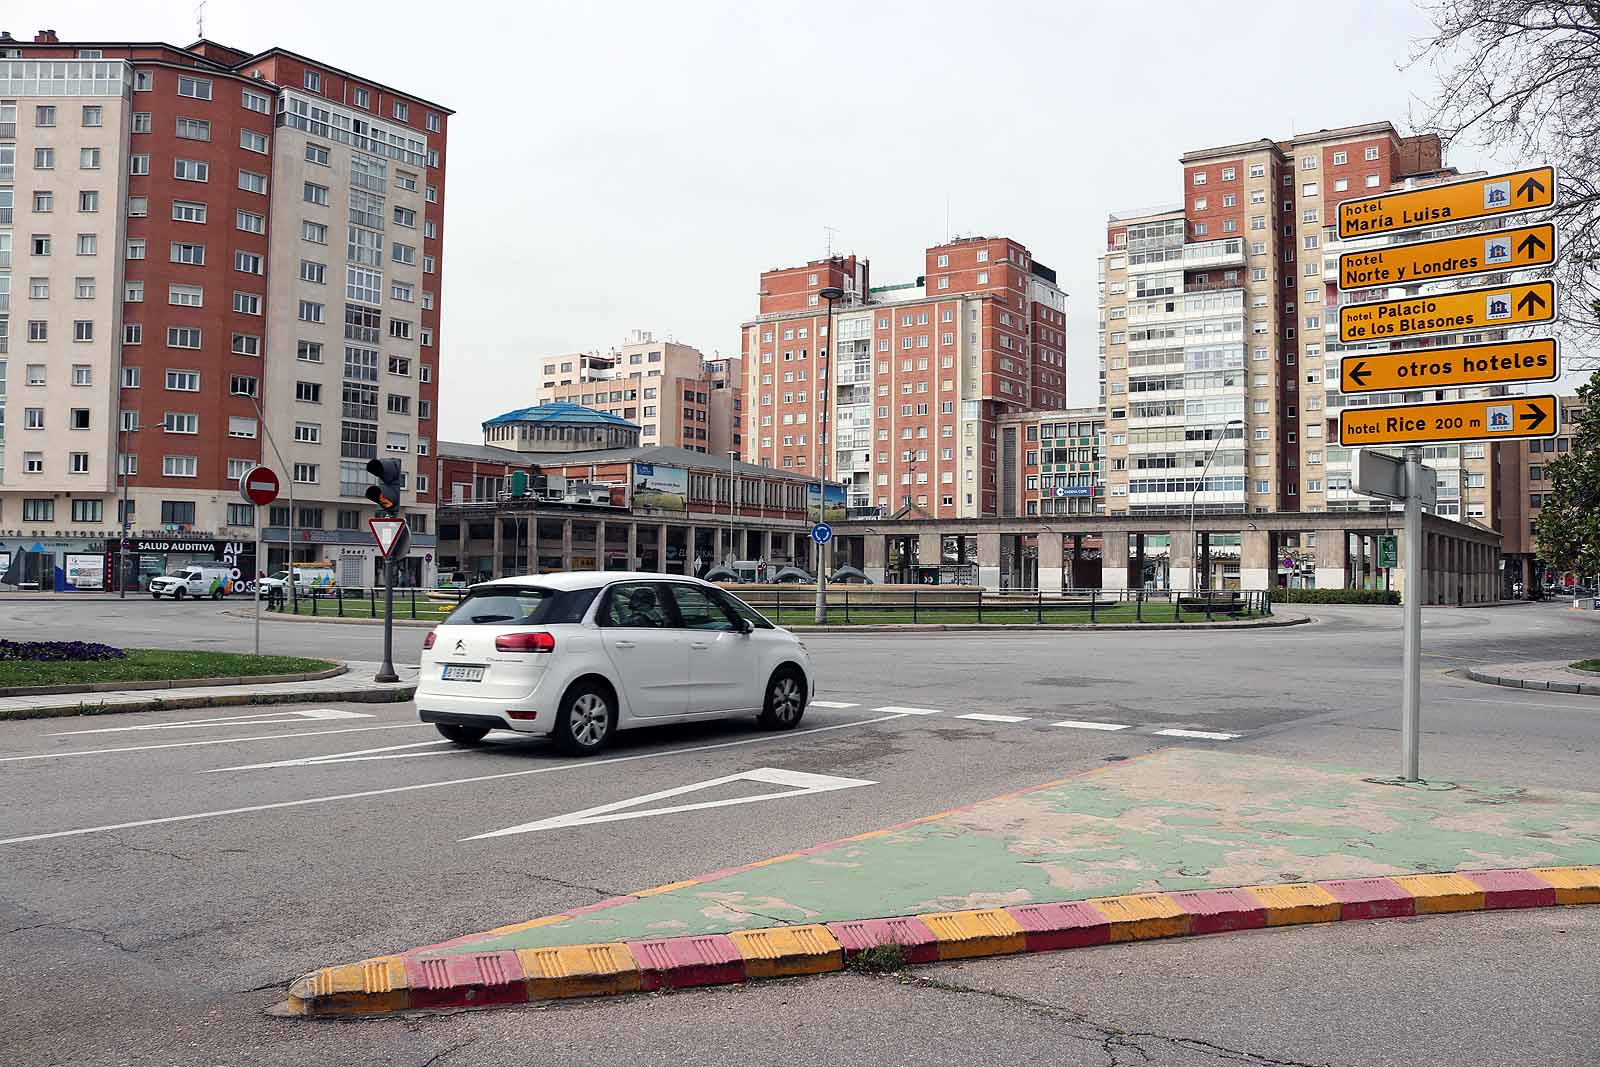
[580,656]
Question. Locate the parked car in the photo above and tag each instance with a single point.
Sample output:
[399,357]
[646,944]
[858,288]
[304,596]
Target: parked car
[309,577]
[579,656]
[193,579]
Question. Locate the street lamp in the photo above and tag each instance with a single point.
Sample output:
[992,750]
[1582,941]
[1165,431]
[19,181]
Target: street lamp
[733,500]
[288,479]
[830,294]
[1194,571]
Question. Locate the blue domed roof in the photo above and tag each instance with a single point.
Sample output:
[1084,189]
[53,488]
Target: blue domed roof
[561,413]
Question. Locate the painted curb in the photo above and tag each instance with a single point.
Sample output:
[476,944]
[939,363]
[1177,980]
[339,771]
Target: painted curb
[394,695]
[348,620]
[412,981]
[1591,689]
[333,671]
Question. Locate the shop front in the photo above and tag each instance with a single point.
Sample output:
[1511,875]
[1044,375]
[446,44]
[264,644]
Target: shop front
[129,565]
[56,564]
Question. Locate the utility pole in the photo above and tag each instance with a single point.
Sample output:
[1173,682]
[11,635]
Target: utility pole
[1411,701]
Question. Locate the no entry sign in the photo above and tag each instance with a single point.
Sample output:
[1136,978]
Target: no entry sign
[259,486]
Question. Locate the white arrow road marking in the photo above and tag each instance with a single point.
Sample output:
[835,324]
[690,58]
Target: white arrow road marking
[798,783]
[364,794]
[1076,725]
[1203,735]
[260,718]
[981,717]
[358,756]
[211,741]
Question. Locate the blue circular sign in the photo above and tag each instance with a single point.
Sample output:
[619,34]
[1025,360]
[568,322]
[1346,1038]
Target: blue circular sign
[822,533]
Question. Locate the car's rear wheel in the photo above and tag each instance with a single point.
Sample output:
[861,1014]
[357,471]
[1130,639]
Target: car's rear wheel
[785,703]
[462,735]
[586,721]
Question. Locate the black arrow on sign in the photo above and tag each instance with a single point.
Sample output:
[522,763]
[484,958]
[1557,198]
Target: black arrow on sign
[1359,373]
[1529,186]
[1533,416]
[1530,303]
[1531,244]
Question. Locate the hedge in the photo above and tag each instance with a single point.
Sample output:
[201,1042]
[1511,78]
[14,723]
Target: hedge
[1335,596]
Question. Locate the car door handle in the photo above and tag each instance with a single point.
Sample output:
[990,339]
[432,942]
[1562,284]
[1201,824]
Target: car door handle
[623,644]
[699,644]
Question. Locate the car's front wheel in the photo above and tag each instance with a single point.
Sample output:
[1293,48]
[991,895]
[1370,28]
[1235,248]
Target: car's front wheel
[177,594]
[462,735]
[785,703]
[586,721]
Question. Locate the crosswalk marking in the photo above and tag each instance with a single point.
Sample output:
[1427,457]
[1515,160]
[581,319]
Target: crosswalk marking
[1203,735]
[893,709]
[832,704]
[1076,725]
[994,718]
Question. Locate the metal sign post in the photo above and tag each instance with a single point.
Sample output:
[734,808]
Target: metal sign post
[1411,703]
[259,487]
[394,540]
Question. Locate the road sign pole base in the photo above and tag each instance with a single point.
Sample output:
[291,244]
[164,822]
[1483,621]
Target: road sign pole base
[386,675]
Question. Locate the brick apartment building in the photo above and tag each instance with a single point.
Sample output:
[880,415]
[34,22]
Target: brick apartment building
[903,403]
[676,395]
[1225,308]
[1524,484]
[188,233]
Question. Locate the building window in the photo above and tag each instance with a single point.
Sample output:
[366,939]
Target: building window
[245,344]
[250,222]
[313,81]
[308,351]
[241,515]
[254,101]
[316,194]
[252,141]
[307,474]
[194,88]
[317,154]
[251,182]
[191,170]
[315,232]
[183,337]
[241,426]
[180,467]
[194,129]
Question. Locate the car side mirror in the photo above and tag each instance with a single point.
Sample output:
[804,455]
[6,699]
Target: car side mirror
[745,626]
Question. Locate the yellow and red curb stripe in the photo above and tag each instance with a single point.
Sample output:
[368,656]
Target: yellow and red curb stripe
[414,981]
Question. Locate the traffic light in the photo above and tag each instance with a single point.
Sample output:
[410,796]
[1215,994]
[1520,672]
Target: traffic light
[386,494]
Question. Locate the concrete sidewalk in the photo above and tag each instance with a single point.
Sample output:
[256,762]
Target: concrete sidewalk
[353,686]
[1181,841]
[1552,676]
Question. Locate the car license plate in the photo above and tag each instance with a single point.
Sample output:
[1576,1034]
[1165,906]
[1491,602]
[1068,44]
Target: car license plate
[457,673]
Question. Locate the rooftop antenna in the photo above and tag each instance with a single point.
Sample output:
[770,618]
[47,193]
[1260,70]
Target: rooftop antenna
[829,231]
[200,19]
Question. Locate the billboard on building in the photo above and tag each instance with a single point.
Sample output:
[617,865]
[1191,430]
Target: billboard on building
[834,512]
[662,488]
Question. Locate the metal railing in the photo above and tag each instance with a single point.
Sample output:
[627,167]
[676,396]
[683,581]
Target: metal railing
[866,605]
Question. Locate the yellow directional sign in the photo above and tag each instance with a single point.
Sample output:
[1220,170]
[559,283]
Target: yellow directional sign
[1471,309]
[1445,368]
[1453,257]
[1494,418]
[1436,205]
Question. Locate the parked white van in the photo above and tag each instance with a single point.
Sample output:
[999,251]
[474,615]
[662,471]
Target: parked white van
[193,579]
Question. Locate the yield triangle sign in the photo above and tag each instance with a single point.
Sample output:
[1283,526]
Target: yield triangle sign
[387,533]
[790,783]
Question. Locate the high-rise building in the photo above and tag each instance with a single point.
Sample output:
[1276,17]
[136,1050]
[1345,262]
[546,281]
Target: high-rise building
[202,239]
[1219,332]
[902,404]
[676,395]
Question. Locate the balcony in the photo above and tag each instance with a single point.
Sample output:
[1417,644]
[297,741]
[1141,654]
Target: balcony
[1228,252]
[852,373]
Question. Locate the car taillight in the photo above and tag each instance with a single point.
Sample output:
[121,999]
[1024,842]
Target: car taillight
[538,641]
[427,642]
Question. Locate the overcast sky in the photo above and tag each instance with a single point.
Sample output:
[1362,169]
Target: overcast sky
[635,165]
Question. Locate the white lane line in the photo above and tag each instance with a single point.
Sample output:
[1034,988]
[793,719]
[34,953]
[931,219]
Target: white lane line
[891,709]
[212,741]
[260,718]
[568,766]
[1203,735]
[1076,725]
[832,704]
[981,717]
[358,756]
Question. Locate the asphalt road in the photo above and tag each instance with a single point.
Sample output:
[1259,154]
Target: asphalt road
[161,877]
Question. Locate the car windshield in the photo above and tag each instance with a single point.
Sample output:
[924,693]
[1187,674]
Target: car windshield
[281,576]
[519,605]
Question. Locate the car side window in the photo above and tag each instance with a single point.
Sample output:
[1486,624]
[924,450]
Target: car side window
[741,609]
[633,604]
[699,611]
